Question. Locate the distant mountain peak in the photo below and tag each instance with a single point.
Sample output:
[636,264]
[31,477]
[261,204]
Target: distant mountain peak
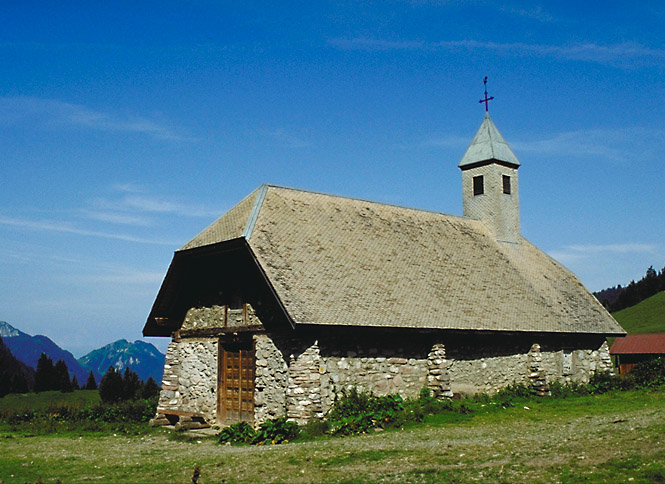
[141,357]
[28,349]
[8,331]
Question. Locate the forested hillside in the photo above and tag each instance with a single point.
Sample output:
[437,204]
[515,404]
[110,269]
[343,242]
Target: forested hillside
[617,298]
[28,349]
[15,376]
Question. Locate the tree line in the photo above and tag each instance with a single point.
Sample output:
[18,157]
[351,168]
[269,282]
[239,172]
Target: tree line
[115,386]
[617,298]
[56,377]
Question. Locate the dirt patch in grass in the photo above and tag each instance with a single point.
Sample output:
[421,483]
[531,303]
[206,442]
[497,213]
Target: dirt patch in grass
[609,438]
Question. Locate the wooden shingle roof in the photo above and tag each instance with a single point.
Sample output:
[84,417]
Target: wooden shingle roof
[340,261]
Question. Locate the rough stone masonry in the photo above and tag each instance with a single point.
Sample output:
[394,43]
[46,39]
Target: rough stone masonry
[300,378]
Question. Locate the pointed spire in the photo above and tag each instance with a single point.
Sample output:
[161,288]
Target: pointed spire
[488,146]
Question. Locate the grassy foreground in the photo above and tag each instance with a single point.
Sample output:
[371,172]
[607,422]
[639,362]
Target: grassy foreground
[615,437]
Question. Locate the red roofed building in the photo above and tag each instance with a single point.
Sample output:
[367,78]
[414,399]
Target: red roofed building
[634,348]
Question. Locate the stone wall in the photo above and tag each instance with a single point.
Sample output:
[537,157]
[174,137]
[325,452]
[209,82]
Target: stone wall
[438,372]
[220,317]
[270,381]
[300,376]
[379,374]
[577,364]
[303,392]
[487,368]
[485,371]
[318,371]
[189,384]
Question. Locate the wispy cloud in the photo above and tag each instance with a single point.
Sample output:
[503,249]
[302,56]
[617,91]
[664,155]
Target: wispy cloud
[129,206]
[126,206]
[447,141]
[536,13]
[604,265]
[622,54]
[625,144]
[629,247]
[116,218]
[571,254]
[363,43]
[156,205]
[50,113]
[81,269]
[533,12]
[15,256]
[122,276]
[617,144]
[128,188]
[69,228]
[286,139]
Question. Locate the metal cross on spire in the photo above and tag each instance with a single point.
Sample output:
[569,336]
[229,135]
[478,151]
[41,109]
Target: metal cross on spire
[487,99]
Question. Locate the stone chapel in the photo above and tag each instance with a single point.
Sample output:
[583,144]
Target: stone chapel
[293,295]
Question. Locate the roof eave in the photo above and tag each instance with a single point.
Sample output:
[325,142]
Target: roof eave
[477,164]
[414,327]
[162,320]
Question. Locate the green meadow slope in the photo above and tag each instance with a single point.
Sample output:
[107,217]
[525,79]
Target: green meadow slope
[645,317]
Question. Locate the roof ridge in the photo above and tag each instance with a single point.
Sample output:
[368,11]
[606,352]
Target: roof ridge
[232,223]
[254,213]
[394,205]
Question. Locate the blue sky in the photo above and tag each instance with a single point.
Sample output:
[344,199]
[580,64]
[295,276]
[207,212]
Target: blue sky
[127,127]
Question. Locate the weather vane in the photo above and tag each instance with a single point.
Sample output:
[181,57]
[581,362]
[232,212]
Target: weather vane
[487,99]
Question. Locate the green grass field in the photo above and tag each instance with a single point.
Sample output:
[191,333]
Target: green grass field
[43,400]
[645,317]
[615,437]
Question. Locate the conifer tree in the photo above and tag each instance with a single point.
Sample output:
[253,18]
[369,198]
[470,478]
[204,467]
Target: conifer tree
[131,385]
[15,377]
[19,384]
[75,383]
[61,379]
[44,376]
[5,383]
[110,387]
[150,389]
[91,383]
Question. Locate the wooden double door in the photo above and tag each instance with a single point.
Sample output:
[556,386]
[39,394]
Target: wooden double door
[235,395]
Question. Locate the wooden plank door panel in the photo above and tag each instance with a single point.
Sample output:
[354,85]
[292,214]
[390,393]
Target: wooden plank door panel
[236,382]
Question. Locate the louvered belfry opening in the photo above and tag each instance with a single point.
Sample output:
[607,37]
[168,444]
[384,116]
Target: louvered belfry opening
[236,382]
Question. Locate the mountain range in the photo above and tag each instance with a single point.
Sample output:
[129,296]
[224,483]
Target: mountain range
[28,349]
[143,358]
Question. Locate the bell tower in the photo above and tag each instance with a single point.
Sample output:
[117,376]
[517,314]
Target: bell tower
[490,188]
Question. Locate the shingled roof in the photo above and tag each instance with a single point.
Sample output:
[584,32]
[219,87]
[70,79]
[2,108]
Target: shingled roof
[339,261]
